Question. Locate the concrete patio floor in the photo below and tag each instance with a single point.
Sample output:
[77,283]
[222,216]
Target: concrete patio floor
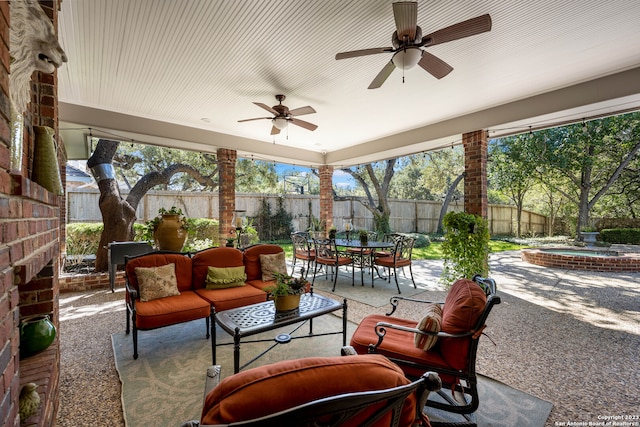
[568,337]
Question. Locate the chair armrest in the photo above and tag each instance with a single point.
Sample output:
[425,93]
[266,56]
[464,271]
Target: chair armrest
[133,293]
[381,331]
[394,300]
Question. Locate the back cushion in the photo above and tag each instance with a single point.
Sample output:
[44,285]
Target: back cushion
[182,263]
[213,257]
[272,388]
[462,309]
[251,258]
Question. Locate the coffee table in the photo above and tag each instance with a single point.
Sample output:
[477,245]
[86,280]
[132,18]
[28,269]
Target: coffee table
[253,319]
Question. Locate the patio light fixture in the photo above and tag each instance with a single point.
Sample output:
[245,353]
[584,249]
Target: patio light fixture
[280,122]
[407,58]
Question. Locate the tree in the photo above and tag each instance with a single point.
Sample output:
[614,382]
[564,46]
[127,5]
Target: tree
[377,176]
[589,156]
[512,171]
[118,214]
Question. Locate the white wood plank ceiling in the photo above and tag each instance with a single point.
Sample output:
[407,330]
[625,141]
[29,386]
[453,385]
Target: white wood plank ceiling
[183,72]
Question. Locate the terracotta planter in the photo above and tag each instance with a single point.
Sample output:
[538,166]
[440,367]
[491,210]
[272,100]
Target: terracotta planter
[36,335]
[170,235]
[286,302]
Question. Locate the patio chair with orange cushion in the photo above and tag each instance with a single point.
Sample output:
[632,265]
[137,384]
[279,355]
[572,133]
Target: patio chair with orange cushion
[399,258]
[303,251]
[445,340]
[346,391]
[327,255]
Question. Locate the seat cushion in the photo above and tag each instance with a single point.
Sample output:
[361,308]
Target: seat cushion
[272,388]
[171,310]
[225,299]
[462,308]
[213,257]
[251,259]
[397,344]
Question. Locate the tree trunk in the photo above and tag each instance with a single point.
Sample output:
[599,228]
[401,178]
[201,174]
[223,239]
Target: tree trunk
[447,201]
[118,215]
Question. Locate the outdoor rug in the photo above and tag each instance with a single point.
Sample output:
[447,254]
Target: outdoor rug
[164,387]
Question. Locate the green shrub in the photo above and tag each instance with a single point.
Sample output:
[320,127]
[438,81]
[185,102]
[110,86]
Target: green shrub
[83,238]
[621,235]
[465,247]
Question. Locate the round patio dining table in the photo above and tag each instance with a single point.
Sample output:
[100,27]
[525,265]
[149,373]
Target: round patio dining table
[365,254]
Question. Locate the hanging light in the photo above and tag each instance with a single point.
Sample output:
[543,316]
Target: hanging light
[280,122]
[407,58]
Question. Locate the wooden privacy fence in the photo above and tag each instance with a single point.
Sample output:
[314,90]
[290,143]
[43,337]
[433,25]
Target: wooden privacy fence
[407,216]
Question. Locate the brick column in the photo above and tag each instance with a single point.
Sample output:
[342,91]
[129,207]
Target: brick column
[475,169]
[326,195]
[226,191]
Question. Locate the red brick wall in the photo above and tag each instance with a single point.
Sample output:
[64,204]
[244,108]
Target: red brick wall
[326,195]
[226,191]
[29,244]
[475,169]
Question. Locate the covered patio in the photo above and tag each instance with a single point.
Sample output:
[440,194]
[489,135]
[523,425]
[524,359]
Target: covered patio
[183,74]
[556,334]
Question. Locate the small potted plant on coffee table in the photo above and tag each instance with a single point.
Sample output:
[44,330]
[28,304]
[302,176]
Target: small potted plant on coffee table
[286,291]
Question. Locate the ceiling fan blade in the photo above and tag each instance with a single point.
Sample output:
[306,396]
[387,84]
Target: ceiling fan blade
[256,118]
[434,65]
[382,76]
[274,130]
[266,107]
[405,14]
[302,111]
[302,123]
[460,30]
[363,52]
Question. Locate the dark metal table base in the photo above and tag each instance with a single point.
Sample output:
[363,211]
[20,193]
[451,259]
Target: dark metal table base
[262,317]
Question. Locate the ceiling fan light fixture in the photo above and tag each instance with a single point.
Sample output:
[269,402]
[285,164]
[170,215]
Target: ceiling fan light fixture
[407,58]
[280,122]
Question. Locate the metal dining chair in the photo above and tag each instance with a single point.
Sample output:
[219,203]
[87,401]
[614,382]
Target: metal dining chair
[303,250]
[400,258]
[327,255]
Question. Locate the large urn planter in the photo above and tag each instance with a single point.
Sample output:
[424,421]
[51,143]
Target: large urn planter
[589,237]
[36,335]
[170,234]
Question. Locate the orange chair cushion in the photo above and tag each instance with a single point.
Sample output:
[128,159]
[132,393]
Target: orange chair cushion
[388,261]
[251,259]
[171,310]
[462,308]
[272,388]
[182,268]
[213,257]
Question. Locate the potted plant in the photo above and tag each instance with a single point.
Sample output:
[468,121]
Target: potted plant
[286,291]
[332,232]
[169,229]
[364,236]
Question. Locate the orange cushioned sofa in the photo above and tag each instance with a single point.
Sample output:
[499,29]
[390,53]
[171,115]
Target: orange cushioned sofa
[167,288]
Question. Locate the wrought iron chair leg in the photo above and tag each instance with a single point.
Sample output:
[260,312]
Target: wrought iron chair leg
[395,276]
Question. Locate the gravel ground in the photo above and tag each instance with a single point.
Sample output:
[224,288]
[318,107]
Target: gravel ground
[569,337]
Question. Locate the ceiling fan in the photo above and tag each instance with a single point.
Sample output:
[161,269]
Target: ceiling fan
[282,116]
[407,41]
